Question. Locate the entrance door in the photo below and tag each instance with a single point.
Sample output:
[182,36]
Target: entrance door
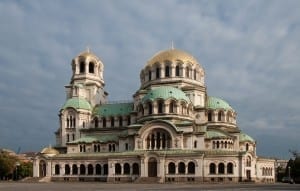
[42,167]
[248,174]
[152,167]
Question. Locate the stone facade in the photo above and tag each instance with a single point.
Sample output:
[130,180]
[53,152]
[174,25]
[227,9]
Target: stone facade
[171,131]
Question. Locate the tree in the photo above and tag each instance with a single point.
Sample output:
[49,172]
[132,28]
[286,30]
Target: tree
[7,165]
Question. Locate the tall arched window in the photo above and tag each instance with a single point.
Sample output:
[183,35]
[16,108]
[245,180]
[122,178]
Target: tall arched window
[98,169]
[67,169]
[81,67]
[191,168]
[171,167]
[167,71]
[230,168]
[181,168]
[96,122]
[195,144]
[195,74]
[57,169]
[157,73]
[160,106]
[105,169]
[103,122]
[221,168]
[209,116]
[187,72]
[82,169]
[177,71]
[248,161]
[220,116]
[91,67]
[150,111]
[128,120]
[112,121]
[126,168]
[90,169]
[120,121]
[149,75]
[118,168]
[212,168]
[135,168]
[74,169]
[172,107]
[247,146]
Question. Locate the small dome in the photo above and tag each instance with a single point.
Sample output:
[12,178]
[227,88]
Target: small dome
[172,55]
[49,151]
[217,103]
[77,103]
[246,138]
[165,92]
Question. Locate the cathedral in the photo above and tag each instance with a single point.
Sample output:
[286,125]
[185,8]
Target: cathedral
[171,131]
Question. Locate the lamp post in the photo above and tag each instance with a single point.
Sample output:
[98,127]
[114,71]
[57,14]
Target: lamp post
[17,164]
[289,172]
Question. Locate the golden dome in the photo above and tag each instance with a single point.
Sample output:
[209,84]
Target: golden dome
[172,55]
[49,151]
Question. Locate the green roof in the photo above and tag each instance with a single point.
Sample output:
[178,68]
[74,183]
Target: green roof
[165,92]
[77,103]
[114,109]
[101,138]
[217,103]
[246,138]
[216,134]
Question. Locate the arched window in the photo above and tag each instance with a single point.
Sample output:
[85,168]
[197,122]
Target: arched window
[181,168]
[157,73]
[120,121]
[104,122]
[126,168]
[221,168]
[171,167]
[90,169]
[128,120]
[150,111]
[209,116]
[195,144]
[247,146]
[91,67]
[220,116]
[67,169]
[57,169]
[149,75]
[167,71]
[171,107]
[112,121]
[98,169]
[212,168]
[68,122]
[74,169]
[68,137]
[195,74]
[230,168]
[117,168]
[82,169]
[177,71]
[187,72]
[135,168]
[218,144]
[191,168]
[160,106]
[248,161]
[81,67]
[96,122]
[105,169]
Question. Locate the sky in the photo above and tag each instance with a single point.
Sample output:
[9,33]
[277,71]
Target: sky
[250,52]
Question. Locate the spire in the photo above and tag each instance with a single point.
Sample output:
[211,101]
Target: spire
[172,45]
[88,49]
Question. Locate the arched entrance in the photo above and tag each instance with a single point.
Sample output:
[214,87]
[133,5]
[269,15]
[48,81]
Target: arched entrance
[152,167]
[42,167]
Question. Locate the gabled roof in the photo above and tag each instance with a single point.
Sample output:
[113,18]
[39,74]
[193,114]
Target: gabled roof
[116,109]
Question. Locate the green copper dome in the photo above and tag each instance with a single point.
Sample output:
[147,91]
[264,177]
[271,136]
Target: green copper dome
[217,103]
[246,138]
[165,92]
[77,103]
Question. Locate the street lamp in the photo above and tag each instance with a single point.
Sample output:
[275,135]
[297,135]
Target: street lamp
[17,164]
[289,172]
